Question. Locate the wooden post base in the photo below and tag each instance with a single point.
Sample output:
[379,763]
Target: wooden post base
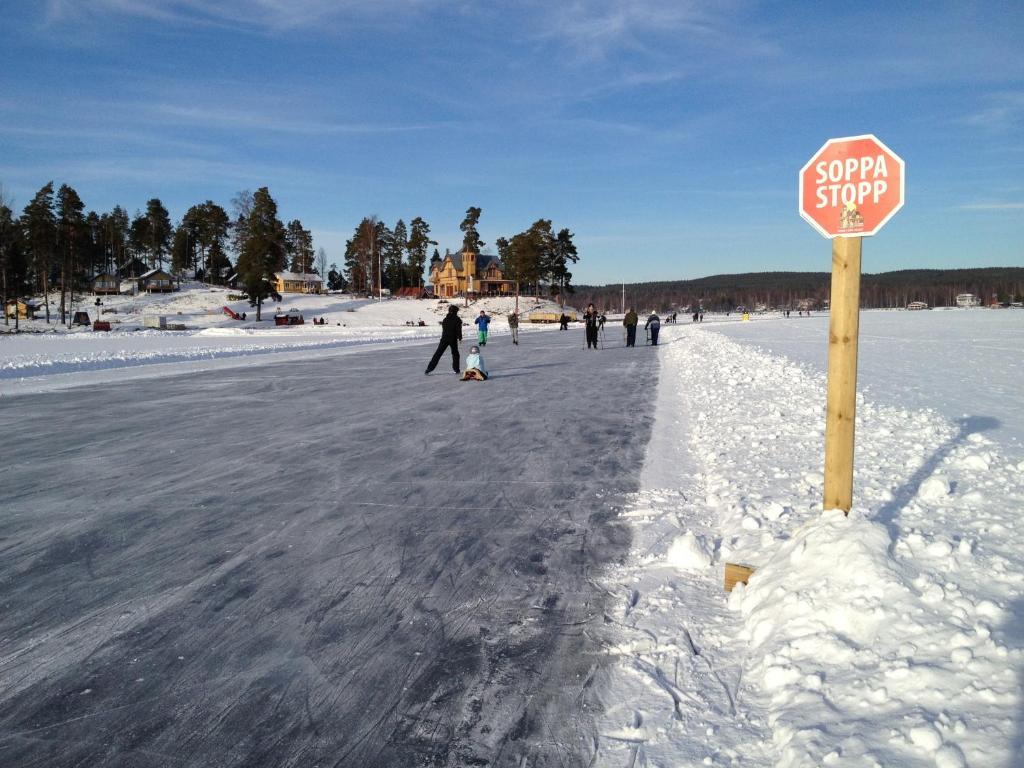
[736,574]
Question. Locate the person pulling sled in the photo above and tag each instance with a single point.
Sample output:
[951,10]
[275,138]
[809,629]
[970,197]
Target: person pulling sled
[451,335]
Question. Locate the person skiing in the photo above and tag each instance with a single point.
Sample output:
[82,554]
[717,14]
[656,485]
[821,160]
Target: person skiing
[451,335]
[590,320]
[653,324]
[630,321]
[513,326]
[475,366]
[481,323]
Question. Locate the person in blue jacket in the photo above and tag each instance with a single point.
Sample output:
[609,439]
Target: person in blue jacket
[481,323]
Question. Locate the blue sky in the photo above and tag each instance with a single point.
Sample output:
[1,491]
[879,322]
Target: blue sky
[666,135]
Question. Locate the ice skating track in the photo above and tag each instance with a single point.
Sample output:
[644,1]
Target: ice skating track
[337,562]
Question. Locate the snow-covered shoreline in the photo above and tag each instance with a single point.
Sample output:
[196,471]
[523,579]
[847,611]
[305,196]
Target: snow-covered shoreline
[61,358]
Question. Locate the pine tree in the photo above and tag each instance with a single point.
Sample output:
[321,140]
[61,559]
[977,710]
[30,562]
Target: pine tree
[335,279]
[471,240]
[94,257]
[183,249]
[419,244]
[564,252]
[139,237]
[528,256]
[263,251]
[217,261]
[241,204]
[208,225]
[70,230]
[299,245]
[362,255]
[41,236]
[160,230]
[116,225]
[394,249]
[12,256]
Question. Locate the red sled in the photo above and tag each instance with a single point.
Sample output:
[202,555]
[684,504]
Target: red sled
[232,314]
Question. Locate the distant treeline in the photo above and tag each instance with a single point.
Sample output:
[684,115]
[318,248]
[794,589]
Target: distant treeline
[802,290]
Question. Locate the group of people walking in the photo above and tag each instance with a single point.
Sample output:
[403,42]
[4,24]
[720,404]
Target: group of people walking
[593,323]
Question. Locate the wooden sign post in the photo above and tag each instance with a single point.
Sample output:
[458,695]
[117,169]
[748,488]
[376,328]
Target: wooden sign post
[848,190]
[841,400]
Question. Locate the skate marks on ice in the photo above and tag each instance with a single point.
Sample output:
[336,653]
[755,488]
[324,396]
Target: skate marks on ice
[677,690]
[677,693]
[283,576]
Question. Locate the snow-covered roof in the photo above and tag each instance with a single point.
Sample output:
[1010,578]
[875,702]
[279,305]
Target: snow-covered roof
[151,273]
[303,277]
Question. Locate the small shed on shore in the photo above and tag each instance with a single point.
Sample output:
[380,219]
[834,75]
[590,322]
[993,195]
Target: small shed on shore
[106,284]
[25,309]
[157,281]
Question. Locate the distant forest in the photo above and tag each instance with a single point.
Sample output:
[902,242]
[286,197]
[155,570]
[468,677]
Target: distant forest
[807,290]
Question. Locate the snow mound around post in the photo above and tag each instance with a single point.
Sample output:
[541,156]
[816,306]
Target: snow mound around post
[688,553]
[813,615]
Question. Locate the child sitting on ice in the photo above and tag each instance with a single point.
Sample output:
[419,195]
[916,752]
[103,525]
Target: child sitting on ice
[475,366]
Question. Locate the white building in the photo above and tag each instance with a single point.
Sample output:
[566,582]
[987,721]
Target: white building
[967,300]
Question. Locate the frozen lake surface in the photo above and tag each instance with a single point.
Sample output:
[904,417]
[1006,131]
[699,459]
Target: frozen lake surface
[962,363]
[335,561]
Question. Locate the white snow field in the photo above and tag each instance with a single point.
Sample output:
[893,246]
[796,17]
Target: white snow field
[892,637]
[319,556]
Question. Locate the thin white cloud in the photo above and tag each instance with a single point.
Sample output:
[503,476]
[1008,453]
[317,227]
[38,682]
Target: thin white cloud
[657,29]
[270,120]
[1004,111]
[257,15]
[991,207]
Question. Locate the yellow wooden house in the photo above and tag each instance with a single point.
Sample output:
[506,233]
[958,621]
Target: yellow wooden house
[463,273]
[298,282]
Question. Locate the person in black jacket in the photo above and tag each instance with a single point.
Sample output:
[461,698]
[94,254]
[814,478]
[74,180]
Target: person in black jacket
[590,321]
[451,335]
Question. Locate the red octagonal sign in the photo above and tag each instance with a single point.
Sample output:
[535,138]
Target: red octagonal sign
[851,187]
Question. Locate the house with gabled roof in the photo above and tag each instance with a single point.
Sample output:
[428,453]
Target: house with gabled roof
[463,273]
[156,281]
[105,284]
[132,268]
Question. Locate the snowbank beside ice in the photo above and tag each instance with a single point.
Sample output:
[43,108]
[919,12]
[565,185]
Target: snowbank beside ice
[892,637]
[880,638]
